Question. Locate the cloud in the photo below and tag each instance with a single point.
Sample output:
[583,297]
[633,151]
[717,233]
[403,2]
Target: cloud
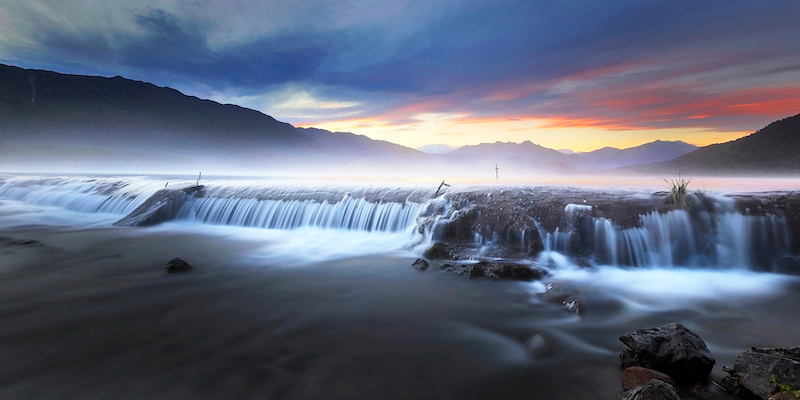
[616,65]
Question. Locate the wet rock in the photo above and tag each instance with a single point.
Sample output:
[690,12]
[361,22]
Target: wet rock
[634,377]
[458,269]
[420,264]
[177,265]
[672,349]
[783,396]
[162,206]
[653,390]
[570,299]
[440,251]
[707,390]
[732,386]
[628,358]
[23,242]
[512,271]
[755,369]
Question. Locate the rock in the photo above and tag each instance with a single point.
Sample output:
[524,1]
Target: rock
[628,358]
[512,271]
[706,390]
[420,264]
[634,377]
[24,242]
[569,298]
[440,251]
[783,396]
[672,349]
[755,368]
[653,390]
[177,265]
[458,269]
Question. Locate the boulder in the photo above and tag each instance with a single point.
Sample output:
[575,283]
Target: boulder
[440,251]
[628,358]
[654,390]
[177,265]
[420,264]
[634,377]
[672,349]
[755,369]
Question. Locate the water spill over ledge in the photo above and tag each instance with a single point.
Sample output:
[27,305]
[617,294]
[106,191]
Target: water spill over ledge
[556,227]
[93,311]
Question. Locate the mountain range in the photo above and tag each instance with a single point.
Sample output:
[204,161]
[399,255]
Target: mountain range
[64,121]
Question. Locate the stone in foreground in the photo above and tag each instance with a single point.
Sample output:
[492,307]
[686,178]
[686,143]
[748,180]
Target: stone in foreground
[755,368]
[634,377]
[420,264]
[672,349]
[654,390]
[177,265]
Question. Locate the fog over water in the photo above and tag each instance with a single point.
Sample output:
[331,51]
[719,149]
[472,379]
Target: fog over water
[304,289]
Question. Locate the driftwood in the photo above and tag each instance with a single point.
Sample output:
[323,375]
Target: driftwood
[440,188]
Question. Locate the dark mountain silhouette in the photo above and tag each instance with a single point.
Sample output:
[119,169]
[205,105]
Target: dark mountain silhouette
[658,151]
[42,107]
[521,156]
[49,117]
[350,144]
[772,149]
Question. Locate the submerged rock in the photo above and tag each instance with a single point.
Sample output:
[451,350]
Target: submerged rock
[177,265]
[23,242]
[420,264]
[654,390]
[570,299]
[760,370]
[672,349]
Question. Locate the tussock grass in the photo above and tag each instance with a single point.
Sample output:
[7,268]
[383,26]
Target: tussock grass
[677,191]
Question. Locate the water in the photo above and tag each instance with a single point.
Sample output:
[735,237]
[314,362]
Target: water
[325,304]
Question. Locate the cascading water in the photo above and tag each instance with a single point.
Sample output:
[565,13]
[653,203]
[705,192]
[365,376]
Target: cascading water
[83,195]
[349,213]
[712,234]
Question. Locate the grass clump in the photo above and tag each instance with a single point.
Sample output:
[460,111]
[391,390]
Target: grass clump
[677,191]
[794,393]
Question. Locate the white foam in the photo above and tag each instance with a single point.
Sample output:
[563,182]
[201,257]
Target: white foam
[674,288]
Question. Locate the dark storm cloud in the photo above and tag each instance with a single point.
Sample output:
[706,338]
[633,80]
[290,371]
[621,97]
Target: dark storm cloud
[169,49]
[619,60]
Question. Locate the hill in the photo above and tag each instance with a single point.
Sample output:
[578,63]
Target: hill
[657,151]
[62,120]
[772,149]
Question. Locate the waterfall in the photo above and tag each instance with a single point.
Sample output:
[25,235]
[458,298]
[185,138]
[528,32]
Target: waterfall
[712,234]
[349,213]
[251,204]
[675,238]
[83,195]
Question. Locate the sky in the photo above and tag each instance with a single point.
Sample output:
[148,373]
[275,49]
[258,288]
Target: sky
[564,74]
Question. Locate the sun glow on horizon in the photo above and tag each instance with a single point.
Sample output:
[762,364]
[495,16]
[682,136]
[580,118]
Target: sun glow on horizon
[555,133]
